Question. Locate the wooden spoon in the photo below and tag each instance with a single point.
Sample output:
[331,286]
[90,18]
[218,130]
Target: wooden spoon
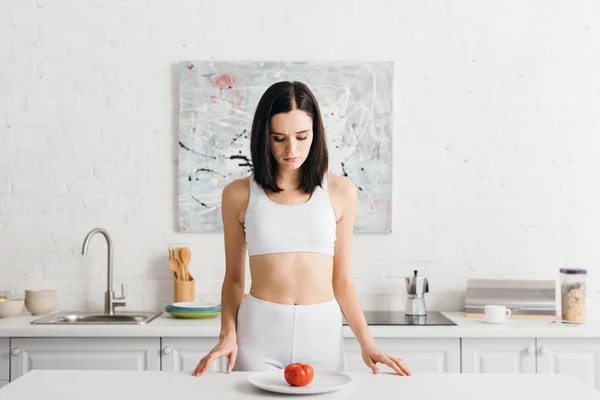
[186,255]
[174,267]
[177,252]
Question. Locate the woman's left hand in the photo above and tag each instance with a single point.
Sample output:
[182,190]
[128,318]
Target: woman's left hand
[372,357]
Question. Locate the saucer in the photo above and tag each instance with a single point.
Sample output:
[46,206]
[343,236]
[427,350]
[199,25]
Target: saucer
[495,322]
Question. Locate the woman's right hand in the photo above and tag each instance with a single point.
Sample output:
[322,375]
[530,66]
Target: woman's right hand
[227,347]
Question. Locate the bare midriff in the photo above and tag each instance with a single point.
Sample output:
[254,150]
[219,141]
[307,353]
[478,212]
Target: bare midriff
[292,278]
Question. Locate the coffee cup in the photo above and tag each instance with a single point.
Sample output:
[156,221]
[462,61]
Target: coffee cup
[496,314]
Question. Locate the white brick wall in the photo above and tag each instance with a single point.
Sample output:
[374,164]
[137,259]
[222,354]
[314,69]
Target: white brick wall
[495,140]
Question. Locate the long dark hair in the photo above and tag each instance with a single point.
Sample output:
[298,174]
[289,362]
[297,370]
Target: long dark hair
[283,97]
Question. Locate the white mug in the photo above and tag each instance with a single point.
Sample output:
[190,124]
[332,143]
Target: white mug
[493,313]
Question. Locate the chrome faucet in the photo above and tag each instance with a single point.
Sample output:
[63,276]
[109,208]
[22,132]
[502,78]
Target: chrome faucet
[110,302]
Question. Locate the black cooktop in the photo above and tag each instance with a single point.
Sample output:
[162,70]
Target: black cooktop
[432,318]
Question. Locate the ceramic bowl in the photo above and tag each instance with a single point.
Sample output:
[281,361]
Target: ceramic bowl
[42,293]
[40,306]
[10,308]
[40,302]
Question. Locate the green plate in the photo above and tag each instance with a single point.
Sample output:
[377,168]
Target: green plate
[193,315]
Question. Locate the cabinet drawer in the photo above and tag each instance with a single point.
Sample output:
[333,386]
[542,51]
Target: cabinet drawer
[141,354]
[420,355]
[498,355]
[184,354]
[579,357]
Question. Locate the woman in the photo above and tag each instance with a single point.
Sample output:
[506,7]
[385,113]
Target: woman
[296,222]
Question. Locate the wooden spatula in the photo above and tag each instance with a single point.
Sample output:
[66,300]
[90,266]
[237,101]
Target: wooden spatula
[180,266]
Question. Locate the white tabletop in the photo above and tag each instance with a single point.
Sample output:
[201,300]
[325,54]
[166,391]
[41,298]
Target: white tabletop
[115,385]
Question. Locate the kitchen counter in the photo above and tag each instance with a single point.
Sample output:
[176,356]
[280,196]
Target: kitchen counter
[102,385]
[167,326]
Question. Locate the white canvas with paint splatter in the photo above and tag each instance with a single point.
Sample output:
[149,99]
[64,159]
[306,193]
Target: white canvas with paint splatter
[217,103]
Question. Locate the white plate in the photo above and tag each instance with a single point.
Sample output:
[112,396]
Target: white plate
[323,382]
[195,304]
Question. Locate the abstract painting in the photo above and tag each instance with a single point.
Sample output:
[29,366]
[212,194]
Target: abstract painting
[216,106]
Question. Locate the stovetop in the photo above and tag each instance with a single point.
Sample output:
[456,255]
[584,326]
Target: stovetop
[433,318]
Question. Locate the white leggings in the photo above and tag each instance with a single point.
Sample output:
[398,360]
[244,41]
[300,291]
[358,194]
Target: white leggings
[272,335]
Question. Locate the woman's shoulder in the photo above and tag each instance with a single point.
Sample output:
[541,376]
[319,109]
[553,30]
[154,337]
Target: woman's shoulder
[340,185]
[237,191]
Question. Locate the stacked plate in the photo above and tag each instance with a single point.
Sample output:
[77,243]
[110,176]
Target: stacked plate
[194,309]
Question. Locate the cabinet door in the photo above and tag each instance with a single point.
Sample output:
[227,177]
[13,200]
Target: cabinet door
[140,354]
[4,359]
[498,355]
[3,383]
[579,357]
[420,355]
[183,354]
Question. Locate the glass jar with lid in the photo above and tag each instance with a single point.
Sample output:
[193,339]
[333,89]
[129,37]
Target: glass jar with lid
[573,294]
[5,294]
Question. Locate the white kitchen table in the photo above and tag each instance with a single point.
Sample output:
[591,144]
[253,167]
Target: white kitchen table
[116,385]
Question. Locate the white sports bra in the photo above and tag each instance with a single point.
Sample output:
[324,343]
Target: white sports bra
[278,228]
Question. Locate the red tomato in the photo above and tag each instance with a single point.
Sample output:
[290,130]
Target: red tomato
[298,374]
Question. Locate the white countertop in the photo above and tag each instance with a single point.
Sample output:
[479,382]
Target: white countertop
[149,385]
[167,326]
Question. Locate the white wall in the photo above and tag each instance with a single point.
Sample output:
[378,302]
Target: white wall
[495,137]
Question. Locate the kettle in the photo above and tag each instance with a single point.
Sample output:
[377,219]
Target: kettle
[416,287]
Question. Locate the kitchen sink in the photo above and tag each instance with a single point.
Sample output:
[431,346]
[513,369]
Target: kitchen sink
[85,318]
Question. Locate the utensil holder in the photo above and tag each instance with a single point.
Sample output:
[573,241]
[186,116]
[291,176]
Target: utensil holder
[184,290]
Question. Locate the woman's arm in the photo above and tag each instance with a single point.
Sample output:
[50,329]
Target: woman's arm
[344,290]
[233,205]
[234,200]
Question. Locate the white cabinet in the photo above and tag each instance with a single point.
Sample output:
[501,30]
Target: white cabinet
[3,383]
[183,354]
[420,355]
[83,354]
[498,355]
[579,357]
[4,359]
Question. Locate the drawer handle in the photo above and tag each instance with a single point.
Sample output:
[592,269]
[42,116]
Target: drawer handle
[531,350]
[15,351]
[167,350]
[543,350]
